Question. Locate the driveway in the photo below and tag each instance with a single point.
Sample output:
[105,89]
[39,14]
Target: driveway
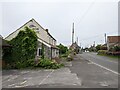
[40,78]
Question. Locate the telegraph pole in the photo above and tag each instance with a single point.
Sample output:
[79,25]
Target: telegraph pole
[80,44]
[77,40]
[105,38]
[94,44]
[73,33]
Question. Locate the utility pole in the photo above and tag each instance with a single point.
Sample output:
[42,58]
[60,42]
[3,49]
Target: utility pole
[77,40]
[105,38]
[94,44]
[73,33]
[80,44]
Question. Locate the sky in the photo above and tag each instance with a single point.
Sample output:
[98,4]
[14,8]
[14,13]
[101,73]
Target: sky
[92,18]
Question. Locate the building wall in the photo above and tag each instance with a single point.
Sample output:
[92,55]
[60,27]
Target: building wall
[41,32]
[112,40]
[46,39]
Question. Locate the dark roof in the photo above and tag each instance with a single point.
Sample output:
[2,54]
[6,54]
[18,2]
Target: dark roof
[74,45]
[51,36]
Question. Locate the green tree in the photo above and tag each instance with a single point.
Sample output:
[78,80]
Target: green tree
[98,47]
[63,49]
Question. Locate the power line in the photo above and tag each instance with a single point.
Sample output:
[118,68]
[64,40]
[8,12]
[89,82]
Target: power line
[84,14]
[89,7]
[98,35]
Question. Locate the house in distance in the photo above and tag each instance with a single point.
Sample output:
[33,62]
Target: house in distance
[113,41]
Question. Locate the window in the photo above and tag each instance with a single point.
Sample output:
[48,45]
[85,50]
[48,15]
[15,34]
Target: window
[31,26]
[39,52]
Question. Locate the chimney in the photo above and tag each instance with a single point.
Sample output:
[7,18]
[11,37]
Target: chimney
[47,30]
[73,33]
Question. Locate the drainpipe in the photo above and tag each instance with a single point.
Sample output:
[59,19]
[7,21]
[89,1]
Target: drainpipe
[51,53]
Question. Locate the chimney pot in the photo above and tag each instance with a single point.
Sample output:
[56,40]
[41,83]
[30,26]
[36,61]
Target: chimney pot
[47,30]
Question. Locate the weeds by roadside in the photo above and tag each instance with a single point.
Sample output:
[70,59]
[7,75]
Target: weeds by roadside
[42,63]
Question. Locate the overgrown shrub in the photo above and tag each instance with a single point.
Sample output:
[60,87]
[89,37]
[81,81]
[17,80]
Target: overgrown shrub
[62,49]
[43,63]
[115,48]
[103,48]
[70,57]
[102,52]
[64,55]
[117,53]
[98,47]
[24,47]
[20,64]
[48,64]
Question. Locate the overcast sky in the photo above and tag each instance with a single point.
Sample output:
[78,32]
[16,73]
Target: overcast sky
[92,19]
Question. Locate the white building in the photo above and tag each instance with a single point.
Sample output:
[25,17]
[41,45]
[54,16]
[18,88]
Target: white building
[44,38]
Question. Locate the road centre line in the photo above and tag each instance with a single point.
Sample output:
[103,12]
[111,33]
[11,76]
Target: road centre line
[105,68]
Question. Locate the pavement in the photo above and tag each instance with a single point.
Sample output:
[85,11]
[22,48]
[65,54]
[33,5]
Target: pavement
[79,73]
[39,78]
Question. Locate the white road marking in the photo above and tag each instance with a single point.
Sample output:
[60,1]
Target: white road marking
[104,84]
[102,59]
[23,82]
[24,72]
[79,81]
[46,77]
[21,86]
[11,85]
[105,68]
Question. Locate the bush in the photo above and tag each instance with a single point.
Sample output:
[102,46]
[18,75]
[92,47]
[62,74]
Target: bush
[43,63]
[48,64]
[98,47]
[70,57]
[64,55]
[20,64]
[62,49]
[102,52]
[103,48]
[115,48]
[114,53]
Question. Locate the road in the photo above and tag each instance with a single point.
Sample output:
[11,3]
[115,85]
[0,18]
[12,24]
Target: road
[92,75]
[107,63]
[79,73]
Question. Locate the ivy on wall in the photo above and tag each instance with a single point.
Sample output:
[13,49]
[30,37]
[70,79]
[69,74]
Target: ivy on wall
[24,46]
[43,51]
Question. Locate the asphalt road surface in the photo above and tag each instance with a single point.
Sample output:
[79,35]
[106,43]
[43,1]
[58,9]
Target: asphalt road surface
[92,75]
[107,63]
[79,73]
